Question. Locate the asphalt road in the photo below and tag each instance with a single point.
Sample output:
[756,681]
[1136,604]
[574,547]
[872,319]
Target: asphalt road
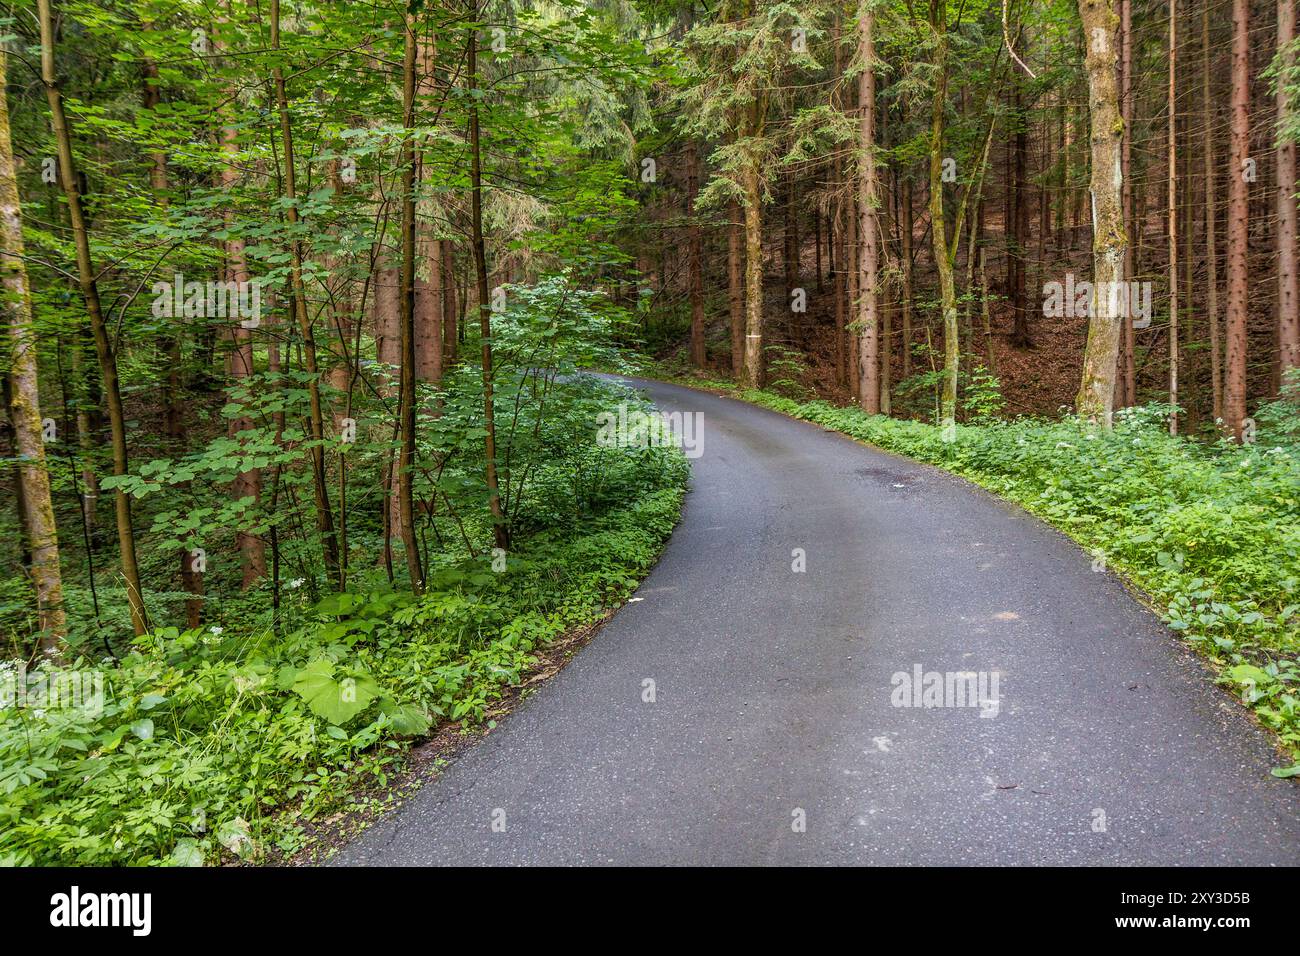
[774,695]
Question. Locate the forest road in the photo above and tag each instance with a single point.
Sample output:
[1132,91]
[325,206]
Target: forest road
[773,736]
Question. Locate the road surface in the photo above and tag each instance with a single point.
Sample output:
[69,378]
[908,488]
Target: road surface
[774,736]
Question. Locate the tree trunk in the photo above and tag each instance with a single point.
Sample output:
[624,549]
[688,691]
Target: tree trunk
[752,374]
[1172,213]
[938,228]
[1288,270]
[1210,173]
[868,314]
[324,516]
[1020,225]
[1127,373]
[735,291]
[500,530]
[1238,221]
[428,286]
[450,315]
[695,256]
[1095,402]
[36,506]
[406,330]
[906,252]
[98,326]
[239,363]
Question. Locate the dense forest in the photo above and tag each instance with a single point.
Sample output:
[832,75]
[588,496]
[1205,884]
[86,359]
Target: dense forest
[301,459]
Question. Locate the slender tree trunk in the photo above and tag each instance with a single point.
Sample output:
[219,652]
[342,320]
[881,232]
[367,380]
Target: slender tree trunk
[990,356]
[752,374]
[248,484]
[450,313]
[406,331]
[170,351]
[324,515]
[735,291]
[1288,270]
[429,316]
[1020,336]
[500,530]
[1097,389]
[1128,345]
[695,256]
[1238,221]
[1210,174]
[36,505]
[1172,213]
[868,314]
[839,282]
[98,325]
[938,227]
[906,233]
[853,286]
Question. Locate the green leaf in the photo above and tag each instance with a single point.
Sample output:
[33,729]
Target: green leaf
[336,700]
[186,853]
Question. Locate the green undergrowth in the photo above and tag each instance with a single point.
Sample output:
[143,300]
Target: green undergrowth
[214,742]
[1209,532]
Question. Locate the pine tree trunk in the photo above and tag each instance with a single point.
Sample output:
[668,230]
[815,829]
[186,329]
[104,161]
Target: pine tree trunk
[1234,401]
[868,314]
[752,374]
[695,256]
[905,231]
[1288,270]
[450,314]
[1109,242]
[1210,175]
[98,325]
[428,275]
[1020,336]
[735,291]
[1127,345]
[36,505]
[938,227]
[1172,214]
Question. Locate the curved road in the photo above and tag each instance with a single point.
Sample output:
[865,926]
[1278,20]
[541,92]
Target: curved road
[774,694]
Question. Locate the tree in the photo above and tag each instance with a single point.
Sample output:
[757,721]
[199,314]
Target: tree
[298,301]
[695,256]
[86,277]
[868,318]
[500,529]
[1172,212]
[938,228]
[25,400]
[1288,266]
[1095,402]
[1234,402]
[406,390]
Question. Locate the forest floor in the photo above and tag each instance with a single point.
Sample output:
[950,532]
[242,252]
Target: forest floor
[774,732]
